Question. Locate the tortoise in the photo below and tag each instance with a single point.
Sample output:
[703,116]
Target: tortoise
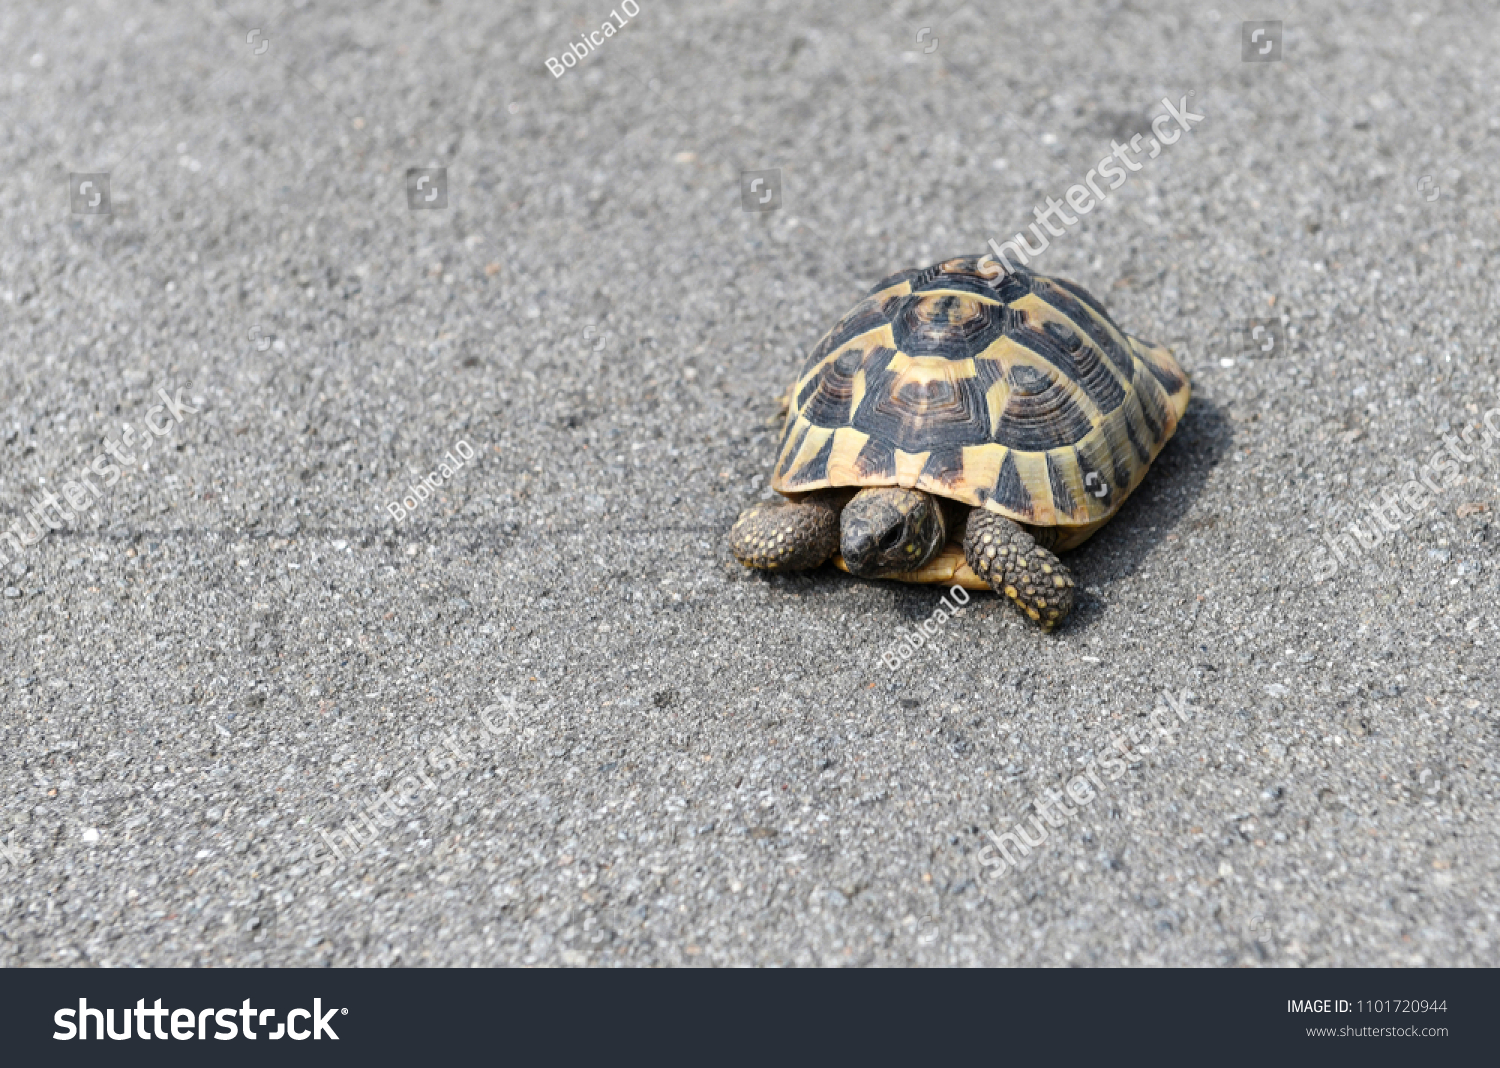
[962,424]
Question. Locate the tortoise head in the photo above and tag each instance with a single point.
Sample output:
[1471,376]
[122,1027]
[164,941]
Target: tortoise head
[889,530]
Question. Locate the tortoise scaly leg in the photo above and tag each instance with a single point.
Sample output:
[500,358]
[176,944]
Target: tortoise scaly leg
[1009,559]
[787,535]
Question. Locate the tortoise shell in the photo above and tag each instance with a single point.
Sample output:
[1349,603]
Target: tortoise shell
[1004,389]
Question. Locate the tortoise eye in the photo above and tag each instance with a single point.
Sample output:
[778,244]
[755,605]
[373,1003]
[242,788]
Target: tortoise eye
[892,539]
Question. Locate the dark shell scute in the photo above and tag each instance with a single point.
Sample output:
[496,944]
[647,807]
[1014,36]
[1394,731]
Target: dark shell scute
[1064,301]
[848,362]
[876,460]
[1065,350]
[946,325]
[916,416]
[1039,420]
[866,316]
[1062,495]
[945,465]
[1169,381]
[816,469]
[1009,491]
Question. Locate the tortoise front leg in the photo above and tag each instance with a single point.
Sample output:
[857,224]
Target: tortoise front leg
[787,535]
[1003,554]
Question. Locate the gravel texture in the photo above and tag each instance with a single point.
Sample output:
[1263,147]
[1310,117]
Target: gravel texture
[601,741]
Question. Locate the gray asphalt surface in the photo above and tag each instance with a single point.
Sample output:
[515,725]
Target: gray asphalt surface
[235,647]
